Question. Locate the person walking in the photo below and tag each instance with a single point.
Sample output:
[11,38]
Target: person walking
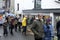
[5,32]
[20,23]
[37,28]
[12,26]
[24,24]
[58,29]
[15,25]
[48,30]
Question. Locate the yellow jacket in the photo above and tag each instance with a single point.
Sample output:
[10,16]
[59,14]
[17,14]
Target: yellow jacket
[24,21]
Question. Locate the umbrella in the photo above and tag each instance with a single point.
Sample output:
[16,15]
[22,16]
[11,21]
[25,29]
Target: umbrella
[2,11]
[10,14]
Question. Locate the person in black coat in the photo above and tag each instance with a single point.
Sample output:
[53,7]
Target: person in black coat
[5,32]
[58,29]
[12,26]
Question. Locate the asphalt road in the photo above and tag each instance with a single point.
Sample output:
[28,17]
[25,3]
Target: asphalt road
[17,36]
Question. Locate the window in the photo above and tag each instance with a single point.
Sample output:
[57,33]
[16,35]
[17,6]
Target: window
[38,4]
[7,3]
[18,7]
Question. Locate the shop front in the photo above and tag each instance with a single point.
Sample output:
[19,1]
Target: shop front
[56,17]
[52,13]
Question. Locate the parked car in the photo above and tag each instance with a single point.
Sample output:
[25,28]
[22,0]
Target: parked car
[2,12]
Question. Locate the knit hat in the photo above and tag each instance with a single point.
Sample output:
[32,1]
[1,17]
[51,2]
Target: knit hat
[48,20]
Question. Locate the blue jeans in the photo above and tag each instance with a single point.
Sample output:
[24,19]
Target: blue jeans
[48,38]
[24,29]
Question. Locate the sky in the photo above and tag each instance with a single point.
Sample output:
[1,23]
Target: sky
[24,5]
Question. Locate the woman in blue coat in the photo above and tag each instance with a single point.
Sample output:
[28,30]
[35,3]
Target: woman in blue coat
[48,30]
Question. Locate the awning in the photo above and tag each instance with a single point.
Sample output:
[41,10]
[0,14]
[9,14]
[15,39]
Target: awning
[42,11]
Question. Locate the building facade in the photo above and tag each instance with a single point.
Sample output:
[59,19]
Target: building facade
[9,5]
[45,7]
[34,7]
[2,3]
[20,5]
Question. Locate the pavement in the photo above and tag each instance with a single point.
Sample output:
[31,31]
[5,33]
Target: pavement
[17,36]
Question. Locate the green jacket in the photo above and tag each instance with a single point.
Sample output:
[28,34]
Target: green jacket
[37,29]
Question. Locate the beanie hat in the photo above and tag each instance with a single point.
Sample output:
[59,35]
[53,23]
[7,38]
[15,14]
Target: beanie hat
[48,20]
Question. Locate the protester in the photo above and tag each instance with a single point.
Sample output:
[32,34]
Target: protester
[58,29]
[48,30]
[30,20]
[15,24]
[19,23]
[24,24]
[44,19]
[37,28]
[5,32]
[12,26]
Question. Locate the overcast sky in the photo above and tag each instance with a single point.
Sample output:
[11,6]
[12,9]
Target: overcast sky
[25,4]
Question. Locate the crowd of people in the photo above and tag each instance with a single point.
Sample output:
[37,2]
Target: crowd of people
[14,23]
[41,27]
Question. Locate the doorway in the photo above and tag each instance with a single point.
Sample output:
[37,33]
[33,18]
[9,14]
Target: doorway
[56,18]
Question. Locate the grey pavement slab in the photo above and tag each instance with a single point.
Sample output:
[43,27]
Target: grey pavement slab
[16,36]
